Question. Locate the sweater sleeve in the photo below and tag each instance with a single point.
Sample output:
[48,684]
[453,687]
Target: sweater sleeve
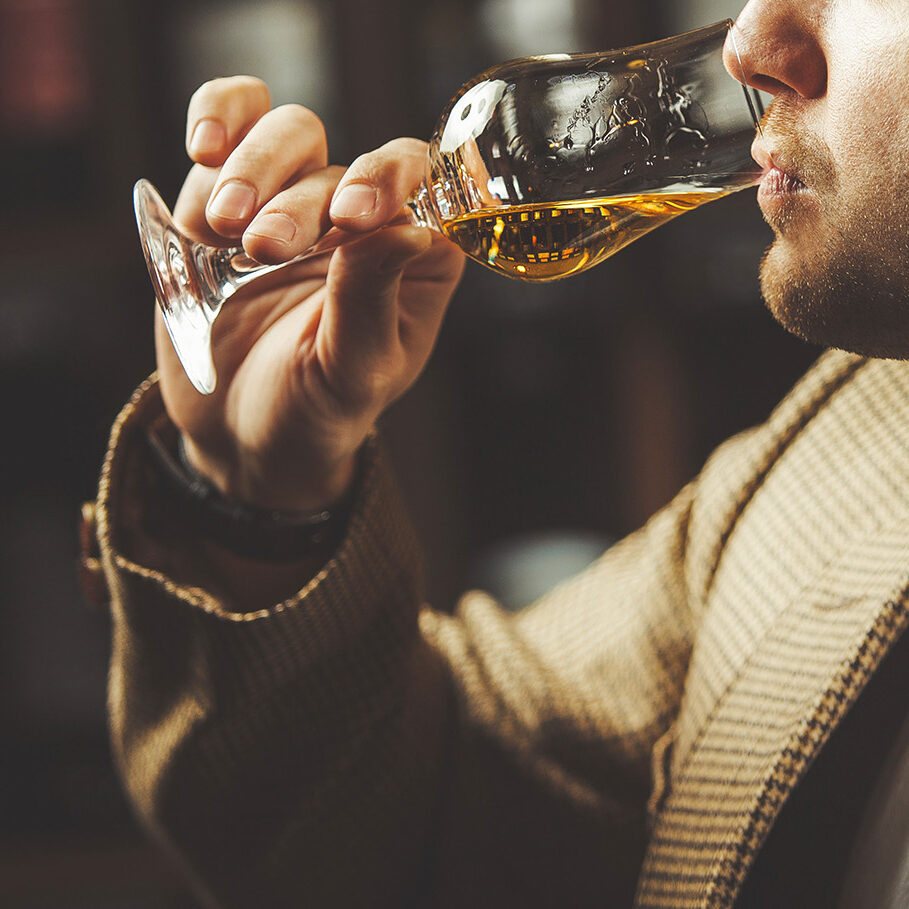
[350,747]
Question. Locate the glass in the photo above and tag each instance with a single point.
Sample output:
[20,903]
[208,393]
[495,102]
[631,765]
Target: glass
[539,169]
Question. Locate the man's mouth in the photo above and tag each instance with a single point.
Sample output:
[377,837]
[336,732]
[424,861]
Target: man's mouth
[772,161]
[780,181]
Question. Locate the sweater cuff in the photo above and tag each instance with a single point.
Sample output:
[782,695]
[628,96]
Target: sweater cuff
[373,576]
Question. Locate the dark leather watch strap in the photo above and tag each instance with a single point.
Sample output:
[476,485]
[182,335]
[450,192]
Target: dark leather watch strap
[246,530]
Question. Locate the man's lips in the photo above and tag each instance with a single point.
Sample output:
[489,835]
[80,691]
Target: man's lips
[779,181]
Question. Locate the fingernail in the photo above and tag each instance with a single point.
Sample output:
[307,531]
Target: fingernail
[208,137]
[273,226]
[234,201]
[356,200]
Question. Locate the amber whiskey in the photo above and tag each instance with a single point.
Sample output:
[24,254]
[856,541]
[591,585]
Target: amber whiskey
[547,241]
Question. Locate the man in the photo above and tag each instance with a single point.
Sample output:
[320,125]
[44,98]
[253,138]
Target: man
[667,728]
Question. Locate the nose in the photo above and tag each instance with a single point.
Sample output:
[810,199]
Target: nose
[775,46]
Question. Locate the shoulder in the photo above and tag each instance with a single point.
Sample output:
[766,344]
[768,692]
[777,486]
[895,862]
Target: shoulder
[739,466]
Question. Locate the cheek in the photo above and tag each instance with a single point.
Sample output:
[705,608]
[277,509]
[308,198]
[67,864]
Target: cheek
[867,118]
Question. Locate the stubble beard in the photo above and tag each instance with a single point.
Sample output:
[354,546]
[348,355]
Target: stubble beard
[837,273]
[849,291]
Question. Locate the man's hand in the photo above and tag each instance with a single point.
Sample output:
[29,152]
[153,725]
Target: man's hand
[307,357]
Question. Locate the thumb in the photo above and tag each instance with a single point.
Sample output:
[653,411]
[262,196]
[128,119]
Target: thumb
[358,332]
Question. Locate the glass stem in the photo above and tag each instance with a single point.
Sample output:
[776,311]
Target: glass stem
[225,271]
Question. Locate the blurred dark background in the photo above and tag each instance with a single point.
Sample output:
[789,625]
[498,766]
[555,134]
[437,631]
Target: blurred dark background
[551,420]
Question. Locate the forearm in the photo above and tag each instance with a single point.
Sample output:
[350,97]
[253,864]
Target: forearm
[232,726]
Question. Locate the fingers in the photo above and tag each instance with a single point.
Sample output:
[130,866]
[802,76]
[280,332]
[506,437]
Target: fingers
[285,143]
[259,152]
[377,185]
[274,188]
[294,219]
[220,114]
[369,194]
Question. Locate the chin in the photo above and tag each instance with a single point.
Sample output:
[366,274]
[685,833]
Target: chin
[844,301]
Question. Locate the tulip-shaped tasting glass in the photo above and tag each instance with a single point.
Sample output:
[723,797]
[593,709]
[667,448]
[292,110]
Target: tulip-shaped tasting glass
[539,169]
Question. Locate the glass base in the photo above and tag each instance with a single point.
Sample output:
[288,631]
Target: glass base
[179,286]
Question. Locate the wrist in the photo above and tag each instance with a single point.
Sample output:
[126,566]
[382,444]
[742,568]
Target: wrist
[270,534]
[308,490]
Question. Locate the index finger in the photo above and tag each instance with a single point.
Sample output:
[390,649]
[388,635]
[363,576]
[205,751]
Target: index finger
[221,112]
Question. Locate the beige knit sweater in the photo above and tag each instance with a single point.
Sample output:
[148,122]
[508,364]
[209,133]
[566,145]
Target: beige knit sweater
[630,737]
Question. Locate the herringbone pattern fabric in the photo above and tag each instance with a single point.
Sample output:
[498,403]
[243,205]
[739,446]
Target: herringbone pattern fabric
[492,760]
[809,593]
